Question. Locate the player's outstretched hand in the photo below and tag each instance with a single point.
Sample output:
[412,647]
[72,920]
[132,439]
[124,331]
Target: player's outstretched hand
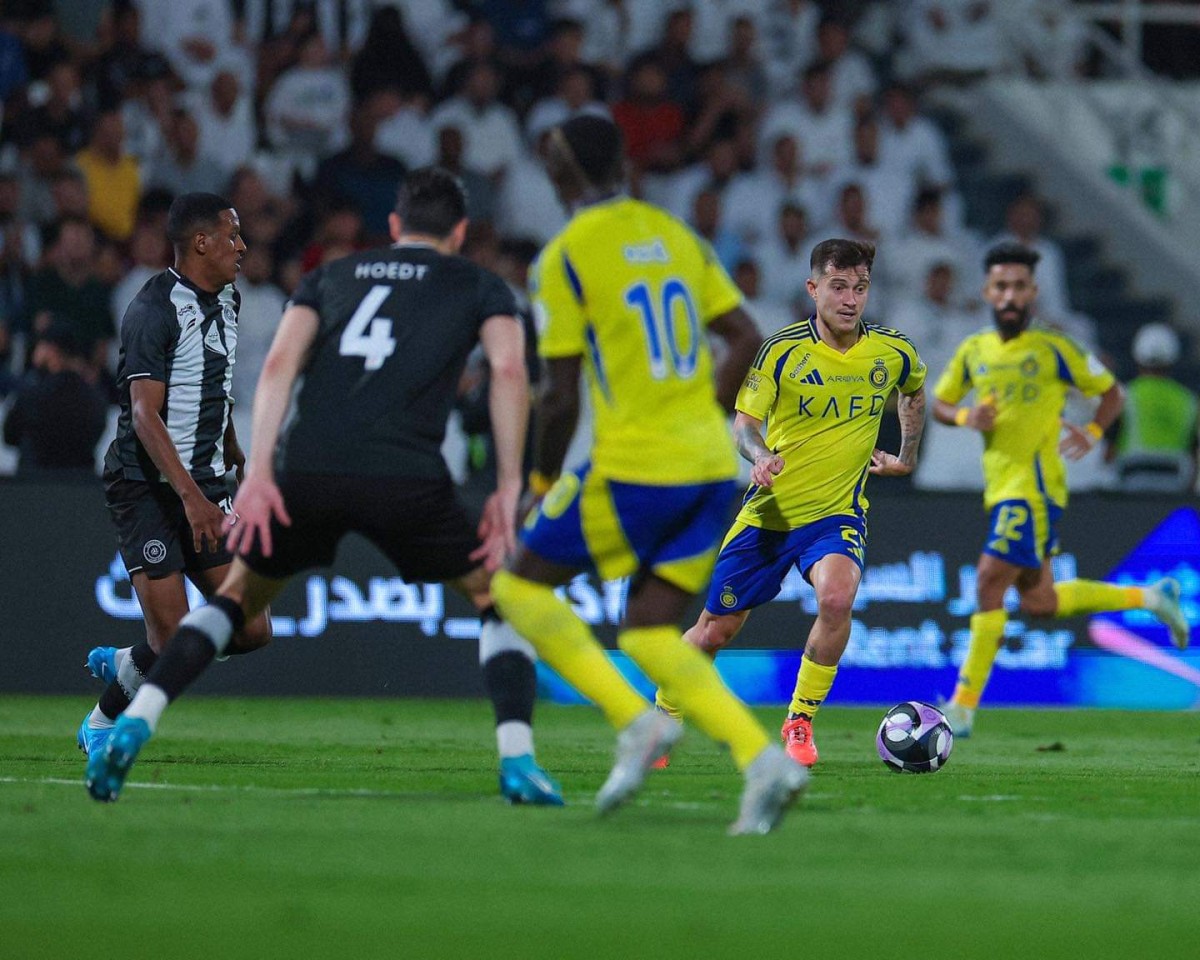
[498,527]
[258,501]
[766,468]
[204,517]
[886,465]
[1077,441]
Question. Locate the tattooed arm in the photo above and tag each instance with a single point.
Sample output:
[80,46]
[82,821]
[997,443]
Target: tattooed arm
[910,408]
[747,432]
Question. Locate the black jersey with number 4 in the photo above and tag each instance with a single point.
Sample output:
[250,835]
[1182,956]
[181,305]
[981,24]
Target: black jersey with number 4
[396,326]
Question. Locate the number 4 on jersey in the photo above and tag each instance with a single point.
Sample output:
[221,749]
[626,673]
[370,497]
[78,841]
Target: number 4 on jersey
[367,335]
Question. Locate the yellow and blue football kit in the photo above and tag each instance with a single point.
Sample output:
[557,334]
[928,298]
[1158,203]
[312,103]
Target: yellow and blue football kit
[631,289]
[822,410]
[1025,479]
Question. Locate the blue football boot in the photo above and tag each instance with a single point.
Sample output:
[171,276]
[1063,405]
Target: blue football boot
[91,739]
[102,664]
[107,768]
[523,781]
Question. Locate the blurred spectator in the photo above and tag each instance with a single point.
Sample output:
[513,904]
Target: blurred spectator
[196,36]
[262,306]
[481,194]
[674,55]
[889,191]
[651,124]
[722,109]
[852,219]
[492,136]
[43,43]
[744,68]
[342,24]
[20,241]
[434,26]
[339,233]
[150,253]
[527,205]
[562,58]
[224,116]
[404,132]
[182,167]
[1156,437]
[606,32]
[851,76]
[60,113]
[934,320]
[768,316]
[66,292]
[790,37]
[114,181]
[576,94]
[912,144]
[13,72]
[40,161]
[148,108]
[823,126]
[521,26]
[69,194]
[59,415]
[715,172]
[952,40]
[927,241]
[476,44]
[751,197]
[122,63]
[306,110]
[706,220]
[1023,220]
[265,214]
[389,60]
[784,256]
[362,176]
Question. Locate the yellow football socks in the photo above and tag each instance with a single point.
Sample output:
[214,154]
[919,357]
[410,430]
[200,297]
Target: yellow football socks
[690,681]
[566,643]
[1094,596]
[813,682]
[987,633]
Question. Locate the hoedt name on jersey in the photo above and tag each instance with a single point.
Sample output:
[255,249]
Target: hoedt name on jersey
[390,270]
[652,252]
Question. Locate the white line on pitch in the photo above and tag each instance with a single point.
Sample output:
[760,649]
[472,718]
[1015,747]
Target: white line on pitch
[217,788]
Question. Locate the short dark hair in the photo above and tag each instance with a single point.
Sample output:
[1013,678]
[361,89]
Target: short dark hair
[595,143]
[839,254]
[1018,253]
[432,201]
[191,212]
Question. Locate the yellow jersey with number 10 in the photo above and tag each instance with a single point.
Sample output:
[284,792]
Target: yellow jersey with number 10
[631,289]
[1027,378]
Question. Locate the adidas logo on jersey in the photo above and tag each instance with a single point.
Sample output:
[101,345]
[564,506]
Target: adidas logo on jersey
[814,378]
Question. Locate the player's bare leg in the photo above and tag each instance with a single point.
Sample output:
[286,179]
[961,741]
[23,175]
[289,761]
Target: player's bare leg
[709,634]
[509,665]
[835,579]
[203,634]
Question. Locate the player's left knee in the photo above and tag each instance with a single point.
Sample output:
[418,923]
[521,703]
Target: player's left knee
[835,604]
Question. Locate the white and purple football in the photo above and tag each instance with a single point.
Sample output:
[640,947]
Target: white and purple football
[914,737]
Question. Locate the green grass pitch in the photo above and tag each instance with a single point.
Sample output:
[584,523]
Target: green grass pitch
[362,829]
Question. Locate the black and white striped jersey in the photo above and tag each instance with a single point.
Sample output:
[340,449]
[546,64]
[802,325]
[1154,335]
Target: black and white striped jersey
[184,337]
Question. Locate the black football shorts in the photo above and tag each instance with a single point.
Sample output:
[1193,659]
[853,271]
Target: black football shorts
[418,524]
[153,533]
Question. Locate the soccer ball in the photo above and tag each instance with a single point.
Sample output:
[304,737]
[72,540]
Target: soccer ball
[914,737]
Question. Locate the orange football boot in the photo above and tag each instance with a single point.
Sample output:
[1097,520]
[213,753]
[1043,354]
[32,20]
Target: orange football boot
[798,741]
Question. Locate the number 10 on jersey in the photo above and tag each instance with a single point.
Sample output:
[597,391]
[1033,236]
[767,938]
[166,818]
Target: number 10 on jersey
[661,328]
[367,335]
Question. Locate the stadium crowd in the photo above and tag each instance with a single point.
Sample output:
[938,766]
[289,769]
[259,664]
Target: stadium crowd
[765,124]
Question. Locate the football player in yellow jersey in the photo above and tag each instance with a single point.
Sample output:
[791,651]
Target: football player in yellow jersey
[627,293]
[820,386]
[1020,377]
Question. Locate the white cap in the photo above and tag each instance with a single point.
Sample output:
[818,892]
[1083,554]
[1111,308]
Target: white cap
[1156,345]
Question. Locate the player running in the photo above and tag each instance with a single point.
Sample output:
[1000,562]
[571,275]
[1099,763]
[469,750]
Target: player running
[1020,376]
[381,338]
[165,480]
[629,292]
[820,386]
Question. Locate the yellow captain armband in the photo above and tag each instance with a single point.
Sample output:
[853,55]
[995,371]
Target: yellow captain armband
[539,483]
[1095,430]
[961,415]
